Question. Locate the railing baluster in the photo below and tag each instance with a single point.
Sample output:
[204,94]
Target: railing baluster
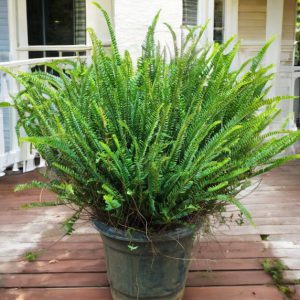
[2,148]
[15,149]
[3,96]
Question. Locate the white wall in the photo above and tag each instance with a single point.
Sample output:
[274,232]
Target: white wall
[95,20]
[132,18]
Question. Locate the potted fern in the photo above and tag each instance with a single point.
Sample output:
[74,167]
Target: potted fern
[149,150]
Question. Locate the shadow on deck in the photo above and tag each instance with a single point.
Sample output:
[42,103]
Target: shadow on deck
[227,265]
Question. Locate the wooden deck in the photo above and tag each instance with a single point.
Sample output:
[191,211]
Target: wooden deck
[227,264]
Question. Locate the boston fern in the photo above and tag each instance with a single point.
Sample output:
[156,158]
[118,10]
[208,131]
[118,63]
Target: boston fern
[159,143]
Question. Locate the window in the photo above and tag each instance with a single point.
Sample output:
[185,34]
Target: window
[190,17]
[56,22]
[190,9]
[219,21]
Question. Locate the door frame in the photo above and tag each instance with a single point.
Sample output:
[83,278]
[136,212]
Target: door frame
[17,25]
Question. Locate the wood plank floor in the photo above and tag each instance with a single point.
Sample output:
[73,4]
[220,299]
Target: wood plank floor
[226,264]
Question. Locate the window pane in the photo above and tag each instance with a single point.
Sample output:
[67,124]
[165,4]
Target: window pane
[35,22]
[219,21]
[56,22]
[190,8]
[59,22]
[80,22]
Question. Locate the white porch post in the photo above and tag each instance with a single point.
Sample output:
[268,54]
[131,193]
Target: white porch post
[231,24]
[206,12]
[22,31]
[231,18]
[17,25]
[12,27]
[274,28]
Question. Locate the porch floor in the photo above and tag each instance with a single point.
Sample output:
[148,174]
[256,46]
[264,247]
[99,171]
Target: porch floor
[227,264]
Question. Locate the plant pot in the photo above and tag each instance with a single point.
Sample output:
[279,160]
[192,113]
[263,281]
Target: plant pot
[153,270]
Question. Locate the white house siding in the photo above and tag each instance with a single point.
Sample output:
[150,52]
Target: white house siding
[4,41]
[288,32]
[252,20]
[132,18]
[277,13]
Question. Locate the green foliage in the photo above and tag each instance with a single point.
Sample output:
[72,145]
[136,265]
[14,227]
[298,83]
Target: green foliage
[264,237]
[31,256]
[275,268]
[161,143]
[68,224]
[41,204]
[5,104]
[132,247]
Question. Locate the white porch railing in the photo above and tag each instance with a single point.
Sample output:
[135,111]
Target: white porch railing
[58,50]
[11,153]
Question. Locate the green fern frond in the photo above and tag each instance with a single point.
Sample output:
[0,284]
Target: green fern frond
[156,142]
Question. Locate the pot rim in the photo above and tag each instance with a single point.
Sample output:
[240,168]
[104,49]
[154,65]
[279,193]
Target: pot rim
[140,237]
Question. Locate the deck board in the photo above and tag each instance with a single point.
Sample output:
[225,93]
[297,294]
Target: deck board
[226,264]
[191,293]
